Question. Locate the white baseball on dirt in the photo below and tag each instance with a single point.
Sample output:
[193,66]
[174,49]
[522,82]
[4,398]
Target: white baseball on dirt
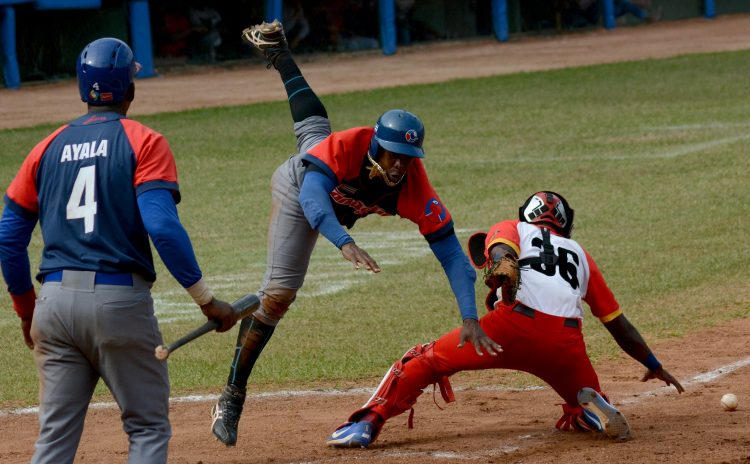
[729,402]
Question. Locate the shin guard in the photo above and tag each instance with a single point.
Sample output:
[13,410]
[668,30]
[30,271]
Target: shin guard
[404,383]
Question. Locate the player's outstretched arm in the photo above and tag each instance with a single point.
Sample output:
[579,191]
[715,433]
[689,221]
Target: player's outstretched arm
[663,375]
[631,342]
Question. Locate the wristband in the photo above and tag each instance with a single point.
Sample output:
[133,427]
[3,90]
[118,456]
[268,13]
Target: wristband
[200,292]
[652,363]
[24,304]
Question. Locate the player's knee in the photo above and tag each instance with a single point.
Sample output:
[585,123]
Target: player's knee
[274,304]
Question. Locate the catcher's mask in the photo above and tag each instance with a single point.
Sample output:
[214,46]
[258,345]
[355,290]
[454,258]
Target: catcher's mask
[548,209]
[105,68]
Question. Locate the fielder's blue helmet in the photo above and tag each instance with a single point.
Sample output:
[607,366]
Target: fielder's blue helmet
[105,69]
[398,131]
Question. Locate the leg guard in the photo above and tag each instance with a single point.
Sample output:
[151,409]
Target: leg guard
[251,340]
[403,384]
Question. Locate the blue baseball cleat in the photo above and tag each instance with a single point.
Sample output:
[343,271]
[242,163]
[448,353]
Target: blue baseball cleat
[352,435]
[602,416]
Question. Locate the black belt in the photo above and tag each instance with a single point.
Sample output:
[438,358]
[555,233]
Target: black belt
[571,322]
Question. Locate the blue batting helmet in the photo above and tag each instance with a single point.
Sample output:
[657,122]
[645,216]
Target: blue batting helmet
[105,69]
[398,131]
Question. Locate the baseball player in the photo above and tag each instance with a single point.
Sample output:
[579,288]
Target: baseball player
[99,186]
[538,328]
[335,179]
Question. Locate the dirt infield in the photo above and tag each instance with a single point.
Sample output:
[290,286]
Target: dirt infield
[491,425]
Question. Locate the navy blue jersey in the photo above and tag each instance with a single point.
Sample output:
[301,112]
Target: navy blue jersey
[82,182]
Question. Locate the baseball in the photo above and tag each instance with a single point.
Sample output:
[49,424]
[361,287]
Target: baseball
[729,402]
[161,353]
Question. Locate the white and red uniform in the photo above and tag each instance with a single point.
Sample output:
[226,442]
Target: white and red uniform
[540,333]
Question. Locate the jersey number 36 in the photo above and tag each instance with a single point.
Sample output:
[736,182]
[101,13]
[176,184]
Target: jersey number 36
[567,262]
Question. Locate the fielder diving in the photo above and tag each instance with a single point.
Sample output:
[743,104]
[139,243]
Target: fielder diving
[538,326]
[335,179]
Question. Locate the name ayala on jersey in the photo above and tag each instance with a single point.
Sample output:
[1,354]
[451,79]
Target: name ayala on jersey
[79,151]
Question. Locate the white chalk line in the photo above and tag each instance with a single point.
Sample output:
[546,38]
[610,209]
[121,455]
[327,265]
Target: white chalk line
[510,447]
[697,126]
[697,379]
[684,150]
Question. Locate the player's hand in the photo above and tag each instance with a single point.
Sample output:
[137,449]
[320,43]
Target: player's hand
[222,312]
[26,328]
[359,257]
[663,375]
[473,333]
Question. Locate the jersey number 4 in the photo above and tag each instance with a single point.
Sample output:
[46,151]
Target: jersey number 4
[81,204]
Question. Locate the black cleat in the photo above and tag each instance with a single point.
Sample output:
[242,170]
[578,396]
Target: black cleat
[226,415]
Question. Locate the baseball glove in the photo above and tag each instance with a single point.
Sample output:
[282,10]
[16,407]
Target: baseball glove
[503,274]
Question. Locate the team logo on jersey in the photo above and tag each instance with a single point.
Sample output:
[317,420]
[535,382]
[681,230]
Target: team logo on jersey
[360,208]
[411,136]
[94,119]
[434,211]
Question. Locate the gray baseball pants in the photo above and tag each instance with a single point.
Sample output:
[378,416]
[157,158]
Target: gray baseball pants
[83,332]
[290,238]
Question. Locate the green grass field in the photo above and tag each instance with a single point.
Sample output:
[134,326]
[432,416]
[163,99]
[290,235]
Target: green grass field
[652,155]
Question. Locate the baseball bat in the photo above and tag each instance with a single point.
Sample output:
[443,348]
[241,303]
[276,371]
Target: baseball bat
[243,307]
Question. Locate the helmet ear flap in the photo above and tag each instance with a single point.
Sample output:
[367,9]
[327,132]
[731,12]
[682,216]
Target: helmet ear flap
[374,146]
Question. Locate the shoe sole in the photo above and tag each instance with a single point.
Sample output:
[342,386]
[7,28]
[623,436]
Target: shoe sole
[615,424]
[348,441]
[255,35]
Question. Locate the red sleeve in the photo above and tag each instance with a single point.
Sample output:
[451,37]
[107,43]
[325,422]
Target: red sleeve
[154,158]
[598,296]
[22,190]
[343,152]
[419,202]
[503,232]
[24,304]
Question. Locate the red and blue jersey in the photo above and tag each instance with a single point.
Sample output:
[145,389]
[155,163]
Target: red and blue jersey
[82,181]
[343,157]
